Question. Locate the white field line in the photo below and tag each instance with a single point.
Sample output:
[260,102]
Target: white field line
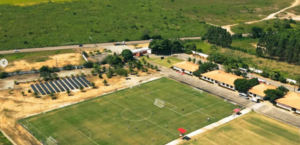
[36,128]
[82,133]
[138,115]
[210,127]
[206,114]
[61,138]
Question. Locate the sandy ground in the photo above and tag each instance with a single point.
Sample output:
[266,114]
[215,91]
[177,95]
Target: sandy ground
[271,16]
[139,45]
[14,106]
[62,59]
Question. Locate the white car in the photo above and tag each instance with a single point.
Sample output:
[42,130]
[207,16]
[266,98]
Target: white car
[16,50]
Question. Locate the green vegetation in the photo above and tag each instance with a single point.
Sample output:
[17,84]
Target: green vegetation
[205,67]
[243,85]
[246,44]
[28,2]
[4,140]
[218,36]
[72,22]
[166,62]
[274,94]
[34,56]
[283,46]
[116,118]
[274,24]
[250,129]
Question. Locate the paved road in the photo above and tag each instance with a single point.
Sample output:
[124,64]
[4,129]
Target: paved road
[85,46]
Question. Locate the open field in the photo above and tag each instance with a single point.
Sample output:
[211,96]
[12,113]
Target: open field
[28,2]
[92,121]
[246,43]
[28,60]
[4,140]
[287,70]
[246,28]
[249,130]
[72,22]
[164,62]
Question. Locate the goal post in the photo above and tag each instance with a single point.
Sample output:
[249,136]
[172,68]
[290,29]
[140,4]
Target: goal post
[159,103]
[51,141]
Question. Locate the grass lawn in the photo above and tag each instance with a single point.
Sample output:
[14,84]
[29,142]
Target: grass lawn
[90,122]
[250,129]
[246,43]
[66,22]
[34,56]
[164,62]
[4,140]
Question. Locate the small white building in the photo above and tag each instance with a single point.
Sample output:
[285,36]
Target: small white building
[221,78]
[141,51]
[291,102]
[201,55]
[256,93]
[186,67]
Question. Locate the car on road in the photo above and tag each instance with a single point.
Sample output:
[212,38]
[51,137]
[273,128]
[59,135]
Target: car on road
[16,50]
[243,95]
[80,45]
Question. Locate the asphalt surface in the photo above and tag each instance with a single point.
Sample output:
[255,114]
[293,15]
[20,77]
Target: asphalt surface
[84,46]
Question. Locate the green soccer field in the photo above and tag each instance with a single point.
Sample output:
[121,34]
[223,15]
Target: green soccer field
[130,117]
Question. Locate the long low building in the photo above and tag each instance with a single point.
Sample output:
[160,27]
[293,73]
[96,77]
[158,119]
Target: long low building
[256,93]
[291,101]
[221,78]
[186,67]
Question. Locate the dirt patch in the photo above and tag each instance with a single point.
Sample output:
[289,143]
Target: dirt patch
[62,59]
[13,105]
[139,45]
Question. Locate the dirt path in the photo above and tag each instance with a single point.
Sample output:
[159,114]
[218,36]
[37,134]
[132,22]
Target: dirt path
[271,16]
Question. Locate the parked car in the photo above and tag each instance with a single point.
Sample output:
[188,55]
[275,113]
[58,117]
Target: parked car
[80,45]
[16,50]
[243,95]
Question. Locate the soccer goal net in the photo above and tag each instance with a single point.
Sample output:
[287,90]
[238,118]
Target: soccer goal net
[159,103]
[51,141]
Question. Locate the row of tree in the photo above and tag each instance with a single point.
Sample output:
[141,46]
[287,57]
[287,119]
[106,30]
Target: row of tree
[284,46]
[167,46]
[243,85]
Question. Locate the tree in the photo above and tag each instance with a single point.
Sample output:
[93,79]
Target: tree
[88,64]
[237,72]
[273,94]
[194,60]
[85,54]
[81,88]
[29,91]
[52,96]
[257,32]
[23,94]
[35,94]
[205,67]
[199,62]
[188,48]
[283,89]
[218,36]
[127,55]
[189,59]
[105,82]
[47,73]
[100,76]
[122,72]
[156,68]
[253,82]
[68,92]
[92,85]
[242,85]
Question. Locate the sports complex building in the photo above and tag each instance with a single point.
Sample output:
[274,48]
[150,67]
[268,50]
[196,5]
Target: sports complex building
[291,102]
[256,93]
[221,78]
[186,67]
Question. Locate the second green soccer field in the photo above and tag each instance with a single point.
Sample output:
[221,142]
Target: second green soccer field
[130,116]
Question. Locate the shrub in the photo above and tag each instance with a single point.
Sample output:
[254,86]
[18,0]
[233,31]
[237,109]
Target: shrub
[88,64]
[282,80]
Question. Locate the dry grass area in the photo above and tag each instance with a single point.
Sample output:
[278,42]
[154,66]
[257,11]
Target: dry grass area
[14,106]
[62,59]
[136,46]
[250,129]
[288,70]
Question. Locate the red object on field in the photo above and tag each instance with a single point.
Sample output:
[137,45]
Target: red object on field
[181,130]
[236,110]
